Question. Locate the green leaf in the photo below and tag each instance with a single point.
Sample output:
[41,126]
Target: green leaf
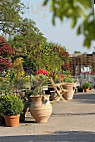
[73,22]
[45,2]
[79,30]
[87,43]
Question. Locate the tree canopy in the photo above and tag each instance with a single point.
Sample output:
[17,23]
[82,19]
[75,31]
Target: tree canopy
[10,11]
[27,40]
[74,10]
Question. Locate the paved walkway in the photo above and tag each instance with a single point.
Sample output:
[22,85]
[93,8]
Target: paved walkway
[73,121]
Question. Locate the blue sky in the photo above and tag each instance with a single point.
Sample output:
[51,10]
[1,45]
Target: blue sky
[61,33]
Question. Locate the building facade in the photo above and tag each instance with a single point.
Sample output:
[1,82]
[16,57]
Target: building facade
[83,66]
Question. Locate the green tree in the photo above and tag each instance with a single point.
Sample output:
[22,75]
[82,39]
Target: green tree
[74,10]
[10,11]
[77,52]
[27,43]
[52,57]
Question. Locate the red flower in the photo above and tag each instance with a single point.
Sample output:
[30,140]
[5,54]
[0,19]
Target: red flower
[41,71]
[79,73]
[86,72]
[36,72]
[45,73]
[92,73]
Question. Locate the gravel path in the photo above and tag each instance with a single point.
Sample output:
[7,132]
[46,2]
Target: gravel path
[73,121]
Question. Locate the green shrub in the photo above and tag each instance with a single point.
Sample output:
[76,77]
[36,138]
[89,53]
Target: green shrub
[11,105]
[86,85]
[69,79]
[31,92]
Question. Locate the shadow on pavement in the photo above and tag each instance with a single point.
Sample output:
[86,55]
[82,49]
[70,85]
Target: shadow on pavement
[85,98]
[67,136]
[72,114]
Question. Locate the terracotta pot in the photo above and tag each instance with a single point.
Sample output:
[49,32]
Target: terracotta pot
[40,108]
[71,88]
[12,121]
[86,89]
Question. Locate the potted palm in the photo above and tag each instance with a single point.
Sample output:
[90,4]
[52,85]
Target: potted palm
[69,84]
[11,107]
[86,86]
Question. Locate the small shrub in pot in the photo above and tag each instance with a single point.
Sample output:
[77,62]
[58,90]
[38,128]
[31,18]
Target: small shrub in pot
[86,86]
[11,107]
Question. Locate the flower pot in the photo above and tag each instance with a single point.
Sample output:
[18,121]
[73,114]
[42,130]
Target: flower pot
[71,88]
[40,108]
[86,90]
[80,89]
[12,121]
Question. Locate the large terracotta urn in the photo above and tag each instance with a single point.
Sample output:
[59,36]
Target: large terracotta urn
[71,88]
[40,108]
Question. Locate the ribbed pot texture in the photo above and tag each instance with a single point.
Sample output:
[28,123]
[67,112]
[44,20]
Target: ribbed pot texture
[12,121]
[40,108]
[71,88]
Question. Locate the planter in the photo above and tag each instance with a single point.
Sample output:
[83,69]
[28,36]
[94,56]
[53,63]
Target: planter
[80,89]
[71,88]
[12,121]
[40,108]
[86,90]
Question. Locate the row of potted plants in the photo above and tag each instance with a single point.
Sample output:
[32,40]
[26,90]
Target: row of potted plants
[12,104]
[68,83]
[85,87]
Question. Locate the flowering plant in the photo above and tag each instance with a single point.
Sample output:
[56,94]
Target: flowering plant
[38,81]
[10,81]
[86,72]
[93,73]
[41,71]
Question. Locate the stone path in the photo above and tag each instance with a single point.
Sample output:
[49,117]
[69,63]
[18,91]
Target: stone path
[73,121]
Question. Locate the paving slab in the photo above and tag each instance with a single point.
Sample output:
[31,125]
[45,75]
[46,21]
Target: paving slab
[73,121]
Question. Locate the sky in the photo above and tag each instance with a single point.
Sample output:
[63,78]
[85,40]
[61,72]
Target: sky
[61,33]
